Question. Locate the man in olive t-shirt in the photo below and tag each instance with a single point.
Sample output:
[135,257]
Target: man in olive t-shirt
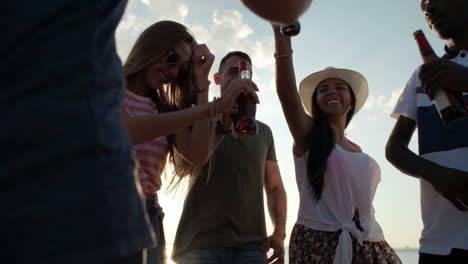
[223,219]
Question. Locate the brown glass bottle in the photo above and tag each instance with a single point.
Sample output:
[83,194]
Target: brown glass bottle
[246,107]
[450,104]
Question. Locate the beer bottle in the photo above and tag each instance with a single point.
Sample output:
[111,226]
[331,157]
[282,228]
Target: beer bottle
[450,104]
[246,106]
[291,30]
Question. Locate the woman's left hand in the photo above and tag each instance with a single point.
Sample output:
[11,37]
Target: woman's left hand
[203,60]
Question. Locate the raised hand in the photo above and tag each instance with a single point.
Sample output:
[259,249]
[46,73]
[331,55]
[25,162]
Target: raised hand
[203,60]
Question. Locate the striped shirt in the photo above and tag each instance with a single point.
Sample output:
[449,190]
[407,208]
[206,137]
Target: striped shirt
[150,157]
[445,227]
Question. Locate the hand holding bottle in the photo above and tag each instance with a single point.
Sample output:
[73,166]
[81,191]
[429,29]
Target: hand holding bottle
[442,73]
[449,103]
[232,92]
[246,106]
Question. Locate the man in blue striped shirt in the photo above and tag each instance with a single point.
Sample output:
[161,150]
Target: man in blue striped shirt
[442,163]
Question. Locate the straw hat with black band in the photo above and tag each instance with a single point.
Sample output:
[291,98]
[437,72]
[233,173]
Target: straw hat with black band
[355,80]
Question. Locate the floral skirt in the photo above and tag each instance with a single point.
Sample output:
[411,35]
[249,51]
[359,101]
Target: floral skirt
[309,246]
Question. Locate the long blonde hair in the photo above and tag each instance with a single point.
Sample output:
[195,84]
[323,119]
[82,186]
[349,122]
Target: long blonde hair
[156,41]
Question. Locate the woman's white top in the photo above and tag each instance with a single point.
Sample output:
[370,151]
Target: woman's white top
[350,182]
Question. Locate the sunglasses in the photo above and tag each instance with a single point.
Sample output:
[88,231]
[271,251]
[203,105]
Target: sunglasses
[174,59]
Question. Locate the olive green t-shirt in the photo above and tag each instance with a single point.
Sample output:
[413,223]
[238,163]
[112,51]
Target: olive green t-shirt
[227,209]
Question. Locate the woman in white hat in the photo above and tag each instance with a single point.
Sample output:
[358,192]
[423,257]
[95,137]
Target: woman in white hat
[166,111]
[336,180]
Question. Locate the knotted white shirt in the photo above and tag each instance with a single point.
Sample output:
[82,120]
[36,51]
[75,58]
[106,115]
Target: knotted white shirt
[350,182]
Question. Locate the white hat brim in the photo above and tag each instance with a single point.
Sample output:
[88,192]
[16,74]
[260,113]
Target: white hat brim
[356,81]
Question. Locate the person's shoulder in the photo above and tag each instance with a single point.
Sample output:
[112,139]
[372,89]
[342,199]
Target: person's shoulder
[414,81]
[263,126]
[415,73]
[265,132]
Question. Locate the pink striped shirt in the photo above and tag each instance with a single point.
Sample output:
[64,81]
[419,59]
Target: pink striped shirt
[150,157]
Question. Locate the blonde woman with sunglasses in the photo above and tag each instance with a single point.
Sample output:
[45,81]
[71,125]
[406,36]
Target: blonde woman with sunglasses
[166,110]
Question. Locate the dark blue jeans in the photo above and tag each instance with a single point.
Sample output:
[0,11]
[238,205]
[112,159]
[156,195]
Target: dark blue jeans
[251,253]
[156,255]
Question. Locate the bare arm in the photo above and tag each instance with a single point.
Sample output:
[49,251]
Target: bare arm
[299,122]
[193,142]
[145,128]
[276,200]
[449,183]
[398,153]
[278,11]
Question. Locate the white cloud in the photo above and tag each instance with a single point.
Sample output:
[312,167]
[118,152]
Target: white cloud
[263,54]
[226,31]
[127,33]
[384,103]
[230,23]
[176,10]
[142,13]
[267,86]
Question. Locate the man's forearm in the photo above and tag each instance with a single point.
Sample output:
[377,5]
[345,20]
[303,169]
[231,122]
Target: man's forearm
[409,163]
[277,208]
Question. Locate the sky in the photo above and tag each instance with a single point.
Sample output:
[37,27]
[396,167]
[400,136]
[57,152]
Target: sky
[374,37]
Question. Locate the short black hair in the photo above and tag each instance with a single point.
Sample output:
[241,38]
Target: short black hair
[423,5]
[232,54]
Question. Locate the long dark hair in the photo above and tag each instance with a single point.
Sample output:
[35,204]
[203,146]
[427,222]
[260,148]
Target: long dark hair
[321,142]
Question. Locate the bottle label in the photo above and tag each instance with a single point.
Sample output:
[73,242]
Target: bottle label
[450,105]
[442,100]
[245,75]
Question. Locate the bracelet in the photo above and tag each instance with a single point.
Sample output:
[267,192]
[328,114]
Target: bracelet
[279,56]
